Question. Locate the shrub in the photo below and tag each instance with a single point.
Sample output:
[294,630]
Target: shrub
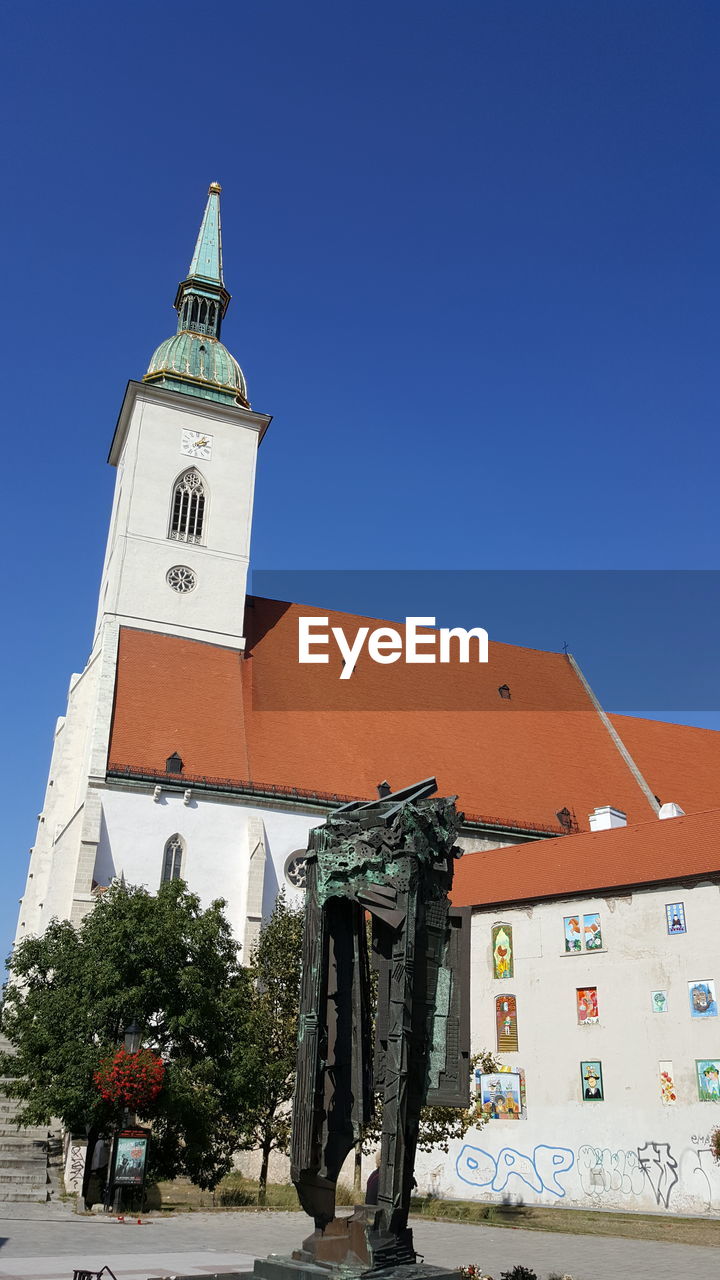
[519,1273]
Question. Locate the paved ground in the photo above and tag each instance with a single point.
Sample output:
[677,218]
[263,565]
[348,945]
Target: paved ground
[48,1243]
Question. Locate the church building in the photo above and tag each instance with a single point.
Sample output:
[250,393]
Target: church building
[193,744]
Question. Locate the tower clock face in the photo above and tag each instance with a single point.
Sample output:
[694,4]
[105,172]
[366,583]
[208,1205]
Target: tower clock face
[195,444]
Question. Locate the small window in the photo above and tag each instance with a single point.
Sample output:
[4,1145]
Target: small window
[188,508]
[506,1024]
[583,933]
[172,859]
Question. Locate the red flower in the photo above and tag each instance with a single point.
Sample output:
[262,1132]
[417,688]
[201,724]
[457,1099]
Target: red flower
[133,1080]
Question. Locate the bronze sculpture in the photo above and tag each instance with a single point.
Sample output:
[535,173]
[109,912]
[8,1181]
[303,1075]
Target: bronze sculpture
[391,858]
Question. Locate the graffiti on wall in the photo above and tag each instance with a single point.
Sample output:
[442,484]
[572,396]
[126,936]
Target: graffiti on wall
[75,1167]
[660,1168]
[603,1172]
[540,1171]
[701,1170]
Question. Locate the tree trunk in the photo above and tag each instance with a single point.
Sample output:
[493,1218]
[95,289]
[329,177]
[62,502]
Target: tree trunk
[262,1183]
[357,1181]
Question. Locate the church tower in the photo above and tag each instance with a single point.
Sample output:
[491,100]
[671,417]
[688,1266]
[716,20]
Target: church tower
[175,570]
[185,448]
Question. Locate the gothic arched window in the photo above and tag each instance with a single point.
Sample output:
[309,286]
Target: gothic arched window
[188,508]
[172,859]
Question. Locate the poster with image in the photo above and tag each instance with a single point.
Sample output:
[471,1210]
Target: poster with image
[500,1095]
[659,1001]
[708,1078]
[675,916]
[587,1005]
[130,1158]
[592,1081]
[702,998]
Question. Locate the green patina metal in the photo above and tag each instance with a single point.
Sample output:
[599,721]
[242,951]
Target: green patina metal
[389,861]
[346,858]
[438,1048]
[199,365]
[195,361]
[207,258]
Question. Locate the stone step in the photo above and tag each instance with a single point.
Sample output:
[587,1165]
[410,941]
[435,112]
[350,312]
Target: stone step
[27,1197]
[34,1134]
[11,1142]
[23,1185]
[34,1178]
[23,1162]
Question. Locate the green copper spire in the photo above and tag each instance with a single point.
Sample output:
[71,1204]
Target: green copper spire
[195,361]
[207,258]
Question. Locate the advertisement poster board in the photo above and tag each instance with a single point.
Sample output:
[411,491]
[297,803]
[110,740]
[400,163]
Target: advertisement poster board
[131,1149]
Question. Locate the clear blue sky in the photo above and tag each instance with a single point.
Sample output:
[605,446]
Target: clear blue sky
[473,252]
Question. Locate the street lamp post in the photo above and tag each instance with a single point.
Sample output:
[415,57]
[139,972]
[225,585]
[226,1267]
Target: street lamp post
[132,1042]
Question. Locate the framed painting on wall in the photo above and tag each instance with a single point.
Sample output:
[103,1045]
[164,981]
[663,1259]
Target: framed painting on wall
[500,1095]
[592,1081]
[502,950]
[708,1078]
[702,998]
[668,1093]
[506,1024]
[587,1005]
[675,916]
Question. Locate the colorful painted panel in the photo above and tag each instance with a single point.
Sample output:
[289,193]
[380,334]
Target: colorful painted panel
[708,1077]
[675,915]
[702,998]
[573,937]
[502,946]
[506,1021]
[587,1005]
[592,1081]
[668,1094]
[591,932]
[660,1001]
[500,1095]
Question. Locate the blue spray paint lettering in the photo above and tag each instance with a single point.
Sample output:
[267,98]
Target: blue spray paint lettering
[539,1171]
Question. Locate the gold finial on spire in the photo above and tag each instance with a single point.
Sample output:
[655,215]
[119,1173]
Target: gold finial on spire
[214,189]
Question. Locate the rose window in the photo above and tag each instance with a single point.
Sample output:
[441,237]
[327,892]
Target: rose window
[296,869]
[180,578]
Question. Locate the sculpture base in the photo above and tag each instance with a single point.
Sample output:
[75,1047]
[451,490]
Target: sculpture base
[278,1268]
[351,1247]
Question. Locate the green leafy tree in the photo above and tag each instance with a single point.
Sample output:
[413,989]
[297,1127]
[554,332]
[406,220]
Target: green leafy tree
[158,960]
[265,1062]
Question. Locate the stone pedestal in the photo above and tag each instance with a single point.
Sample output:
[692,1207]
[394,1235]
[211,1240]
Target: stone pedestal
[350,1247]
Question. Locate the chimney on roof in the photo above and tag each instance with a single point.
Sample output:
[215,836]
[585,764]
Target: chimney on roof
[605,817]
[671,810]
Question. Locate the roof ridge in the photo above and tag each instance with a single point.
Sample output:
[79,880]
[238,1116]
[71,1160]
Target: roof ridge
[615,738]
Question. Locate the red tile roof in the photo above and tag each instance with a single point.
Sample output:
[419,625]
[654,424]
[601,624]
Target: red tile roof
[259,719]
[679,761]
[597,861]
